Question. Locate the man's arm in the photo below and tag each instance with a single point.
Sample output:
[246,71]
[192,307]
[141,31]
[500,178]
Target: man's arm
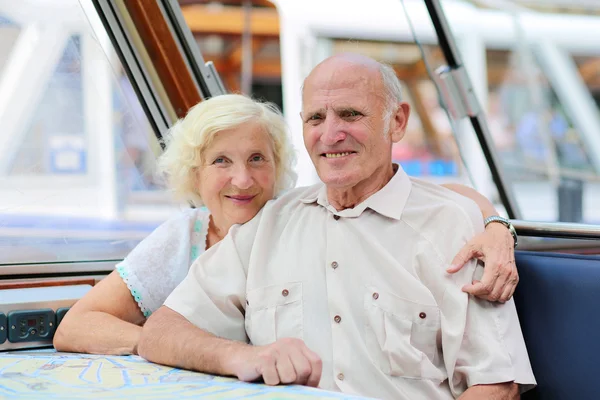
[495,247]
[499,391]
[169,338]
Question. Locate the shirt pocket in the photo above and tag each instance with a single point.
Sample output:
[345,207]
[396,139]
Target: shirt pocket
[402,336]
[274,312]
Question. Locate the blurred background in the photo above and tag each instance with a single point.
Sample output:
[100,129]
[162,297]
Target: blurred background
[78,150]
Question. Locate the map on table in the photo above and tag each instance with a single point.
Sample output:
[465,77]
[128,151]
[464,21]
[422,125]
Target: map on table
[53,375]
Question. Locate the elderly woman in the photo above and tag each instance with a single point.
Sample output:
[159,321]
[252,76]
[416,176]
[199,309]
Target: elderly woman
[228,157]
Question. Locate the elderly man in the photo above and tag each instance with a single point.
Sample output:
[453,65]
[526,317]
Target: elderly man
[344,284]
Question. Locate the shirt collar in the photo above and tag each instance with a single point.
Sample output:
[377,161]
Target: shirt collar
[389,201]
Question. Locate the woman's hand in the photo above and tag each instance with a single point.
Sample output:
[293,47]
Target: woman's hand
[495,247]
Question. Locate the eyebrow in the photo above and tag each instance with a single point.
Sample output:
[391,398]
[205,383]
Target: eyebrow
[226,152]
[337,110]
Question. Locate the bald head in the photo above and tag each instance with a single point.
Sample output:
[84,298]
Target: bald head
[345,61]
[351,67]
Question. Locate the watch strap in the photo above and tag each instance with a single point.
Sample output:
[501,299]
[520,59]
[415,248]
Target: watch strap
[505,222]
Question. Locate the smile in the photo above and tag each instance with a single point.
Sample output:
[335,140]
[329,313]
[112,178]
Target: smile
[241,199]
[338,155]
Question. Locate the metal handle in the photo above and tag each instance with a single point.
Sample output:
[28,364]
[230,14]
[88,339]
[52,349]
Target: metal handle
[556,230]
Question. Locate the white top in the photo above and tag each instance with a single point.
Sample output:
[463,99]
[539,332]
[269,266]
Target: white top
[160,262]
[365,288]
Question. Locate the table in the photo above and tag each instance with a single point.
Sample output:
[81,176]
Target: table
[47,374]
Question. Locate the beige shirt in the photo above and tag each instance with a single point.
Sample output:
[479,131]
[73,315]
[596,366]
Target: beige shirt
[365,288]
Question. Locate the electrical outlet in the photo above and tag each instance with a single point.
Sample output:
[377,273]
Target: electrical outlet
[31,325]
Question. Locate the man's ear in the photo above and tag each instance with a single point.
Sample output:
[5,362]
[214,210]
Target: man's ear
[399,122]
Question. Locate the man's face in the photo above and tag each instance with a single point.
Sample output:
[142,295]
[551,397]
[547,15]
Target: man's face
[344,125]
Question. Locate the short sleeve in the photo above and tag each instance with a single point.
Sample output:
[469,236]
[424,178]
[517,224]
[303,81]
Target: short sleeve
[160,262]
[213,294]
[482,341]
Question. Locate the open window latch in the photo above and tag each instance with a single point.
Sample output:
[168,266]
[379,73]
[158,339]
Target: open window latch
[457,92]
[213,80]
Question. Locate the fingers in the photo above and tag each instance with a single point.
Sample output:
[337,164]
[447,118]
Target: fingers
[478,289]
[285,369]
[499,280]
[459,261]
[289,361]
[469,251]
[506,293]
[268,369]
[316,367]
[510,287]
[302,366]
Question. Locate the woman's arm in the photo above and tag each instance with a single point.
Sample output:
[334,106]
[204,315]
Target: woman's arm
[107,320]
[486,206]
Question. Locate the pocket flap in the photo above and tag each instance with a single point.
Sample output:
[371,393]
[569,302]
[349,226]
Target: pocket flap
[404,309]
[274,295]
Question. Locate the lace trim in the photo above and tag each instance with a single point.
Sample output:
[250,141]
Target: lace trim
[134,292]
[199,233]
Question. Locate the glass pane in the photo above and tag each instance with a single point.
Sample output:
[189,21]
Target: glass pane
[246,54]
[541,148]
[77,154]
[543,126]
[9,33]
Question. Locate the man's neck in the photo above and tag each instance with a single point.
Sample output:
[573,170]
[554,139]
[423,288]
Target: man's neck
[344,198]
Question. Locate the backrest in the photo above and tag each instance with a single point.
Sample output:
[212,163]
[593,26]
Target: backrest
[558,302]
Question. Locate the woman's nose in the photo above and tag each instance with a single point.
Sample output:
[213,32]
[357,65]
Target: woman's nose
[242,178]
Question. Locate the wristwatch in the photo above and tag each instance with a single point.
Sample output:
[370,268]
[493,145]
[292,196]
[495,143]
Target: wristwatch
[505,222]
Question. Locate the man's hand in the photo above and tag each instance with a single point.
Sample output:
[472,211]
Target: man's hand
[495,247]
[287,361]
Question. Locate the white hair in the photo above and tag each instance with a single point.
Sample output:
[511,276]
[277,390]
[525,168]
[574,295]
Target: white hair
[191,136]
[393,90]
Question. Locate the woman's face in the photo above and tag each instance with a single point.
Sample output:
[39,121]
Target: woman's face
[238,175]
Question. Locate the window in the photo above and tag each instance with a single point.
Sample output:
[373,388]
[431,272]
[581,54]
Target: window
[543,121]
[538,139]
[77,153]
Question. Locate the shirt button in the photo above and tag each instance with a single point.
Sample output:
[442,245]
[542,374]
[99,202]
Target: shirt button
[285,292]
[422,315]
[334,265]
[337,319]
[375,295]
[336,217]
[340,376]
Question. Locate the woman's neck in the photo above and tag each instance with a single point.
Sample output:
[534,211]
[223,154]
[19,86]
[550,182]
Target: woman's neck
[214,234]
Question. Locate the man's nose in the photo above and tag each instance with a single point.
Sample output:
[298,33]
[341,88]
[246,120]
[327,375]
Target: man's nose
[242,177]
[332,132]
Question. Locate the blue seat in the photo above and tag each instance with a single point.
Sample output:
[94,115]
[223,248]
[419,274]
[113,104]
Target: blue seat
[558,301]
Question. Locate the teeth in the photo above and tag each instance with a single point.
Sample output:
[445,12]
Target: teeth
[336,155]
